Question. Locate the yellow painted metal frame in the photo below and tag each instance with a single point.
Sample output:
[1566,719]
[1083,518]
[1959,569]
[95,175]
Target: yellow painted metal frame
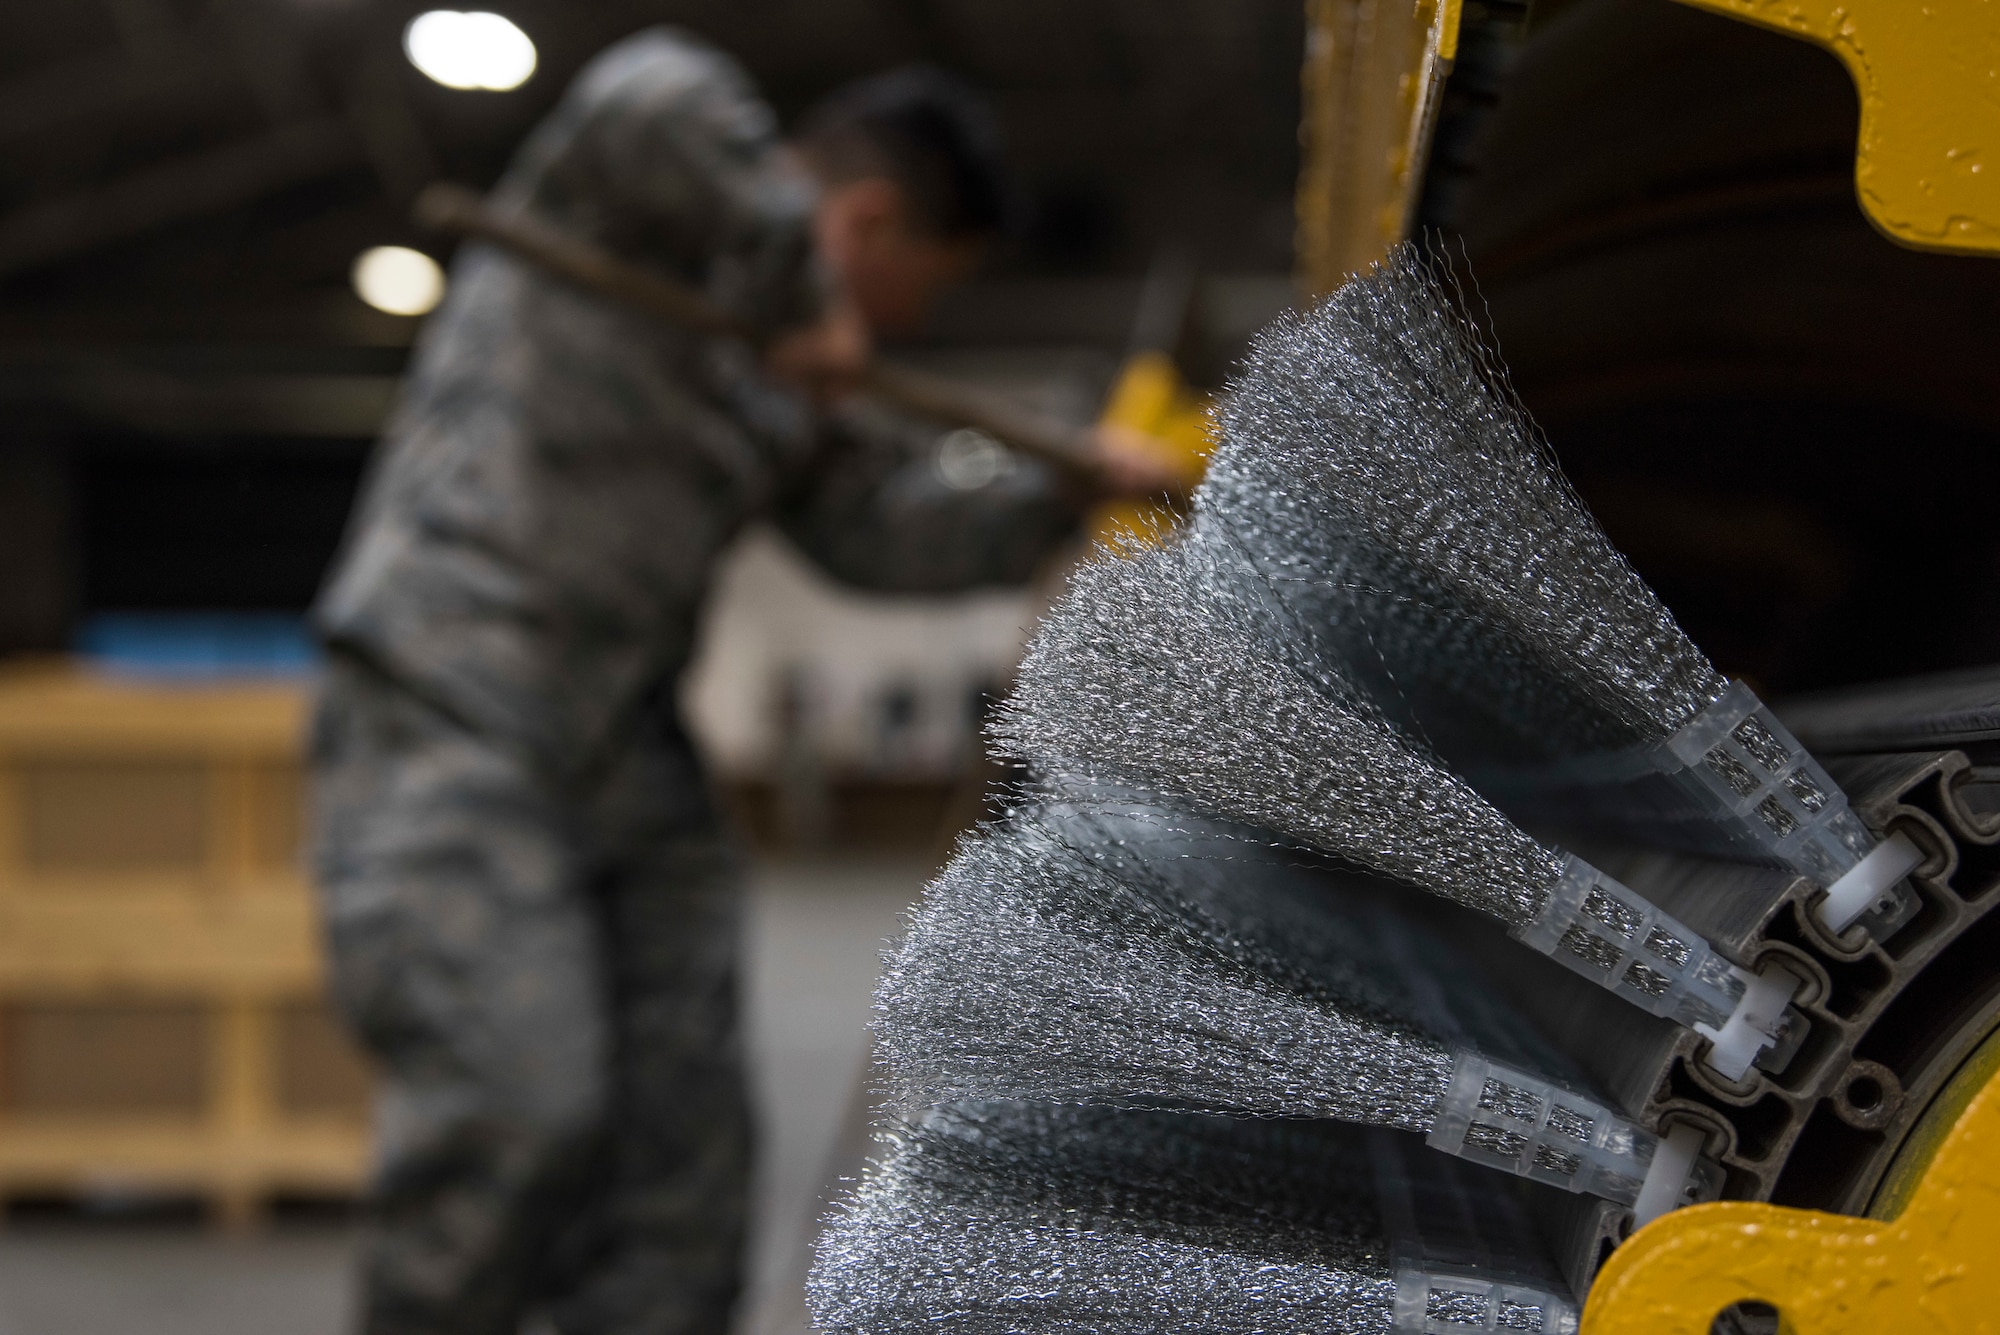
[1373,77]
[1932,1264]
[1927,162]
[1151,400]
[1927,167]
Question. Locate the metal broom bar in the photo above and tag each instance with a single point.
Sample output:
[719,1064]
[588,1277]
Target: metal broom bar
[454,209]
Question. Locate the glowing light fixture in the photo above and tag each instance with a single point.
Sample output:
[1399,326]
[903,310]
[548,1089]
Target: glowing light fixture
[398,280]
[469,49]
[968,459]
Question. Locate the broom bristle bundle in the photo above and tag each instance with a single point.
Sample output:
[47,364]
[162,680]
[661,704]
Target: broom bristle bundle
[1032,970]
[991,1219]
[1373,448]
[1104,951]
[1168,667]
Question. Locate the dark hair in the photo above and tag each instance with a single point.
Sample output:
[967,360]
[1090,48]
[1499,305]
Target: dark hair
[924,129]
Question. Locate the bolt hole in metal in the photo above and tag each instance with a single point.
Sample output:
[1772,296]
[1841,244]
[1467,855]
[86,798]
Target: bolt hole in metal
[1869,1096]
[1749,1317]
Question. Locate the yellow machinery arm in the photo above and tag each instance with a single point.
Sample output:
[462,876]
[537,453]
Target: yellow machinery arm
[1928,1263]
[1374,73]
[1927,167]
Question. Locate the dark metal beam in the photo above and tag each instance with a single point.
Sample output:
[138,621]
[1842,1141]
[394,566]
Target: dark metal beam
[145,27]
[397,146]
[271,58]
[102,84]
[190,187]
[110,393]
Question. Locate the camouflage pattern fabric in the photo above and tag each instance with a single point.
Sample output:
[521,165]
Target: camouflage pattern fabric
[537,540]
[549,980]
[530,909]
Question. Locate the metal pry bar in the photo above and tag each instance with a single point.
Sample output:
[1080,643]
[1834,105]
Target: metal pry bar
[454,209]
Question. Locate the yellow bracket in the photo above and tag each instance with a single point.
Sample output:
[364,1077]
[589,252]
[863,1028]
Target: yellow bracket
[1933,1266]
[1372,82]
[1928,165]
[1150,399]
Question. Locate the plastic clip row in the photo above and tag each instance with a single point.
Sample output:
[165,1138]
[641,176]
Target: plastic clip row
[1755,776]
[1464,1256]
[1434,1301]
[1503,1118]
[1595,926]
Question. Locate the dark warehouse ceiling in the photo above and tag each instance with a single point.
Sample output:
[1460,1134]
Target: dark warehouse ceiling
[233,155]
[183,186]
[188,384]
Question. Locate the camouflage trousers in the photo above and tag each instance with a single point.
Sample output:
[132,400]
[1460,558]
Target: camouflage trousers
[547,982]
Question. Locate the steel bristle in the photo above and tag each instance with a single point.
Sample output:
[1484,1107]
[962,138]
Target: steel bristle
[1097,950]
[1376,462]
[994,1218]
[1173,667]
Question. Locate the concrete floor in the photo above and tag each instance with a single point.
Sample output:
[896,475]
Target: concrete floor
[813,946]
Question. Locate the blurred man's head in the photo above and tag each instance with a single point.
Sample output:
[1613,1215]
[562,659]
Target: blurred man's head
[912,189]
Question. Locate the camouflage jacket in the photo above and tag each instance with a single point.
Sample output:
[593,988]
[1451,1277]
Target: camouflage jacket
[534,543]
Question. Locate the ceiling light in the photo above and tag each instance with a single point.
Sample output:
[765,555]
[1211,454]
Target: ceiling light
[968,459]
[398,280]
[469,49]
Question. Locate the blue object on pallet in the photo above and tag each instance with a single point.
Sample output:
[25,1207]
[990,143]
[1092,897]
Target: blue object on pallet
[197,646]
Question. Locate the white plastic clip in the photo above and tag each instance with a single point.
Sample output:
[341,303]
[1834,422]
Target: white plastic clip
[1435,1301]
[1755,1024]
[1672,1181]
[1856,892]
[1758,780]
[1507,1119]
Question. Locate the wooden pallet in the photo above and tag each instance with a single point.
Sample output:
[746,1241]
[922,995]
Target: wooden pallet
[161,1027]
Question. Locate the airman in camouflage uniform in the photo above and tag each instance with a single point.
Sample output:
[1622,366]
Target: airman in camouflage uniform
[531,910]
